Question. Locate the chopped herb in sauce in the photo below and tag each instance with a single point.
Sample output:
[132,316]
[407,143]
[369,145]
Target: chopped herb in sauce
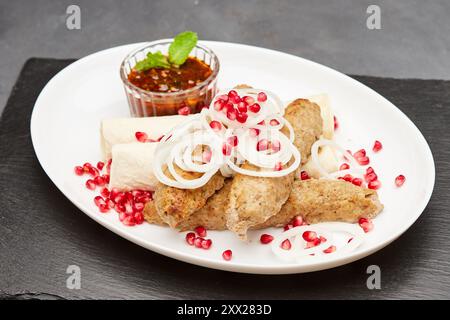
[172,79]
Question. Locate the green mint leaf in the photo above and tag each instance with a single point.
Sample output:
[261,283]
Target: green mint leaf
[181,46]
[153,60]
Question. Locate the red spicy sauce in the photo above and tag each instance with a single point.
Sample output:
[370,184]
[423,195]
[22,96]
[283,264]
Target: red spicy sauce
[167,87]
[174,79]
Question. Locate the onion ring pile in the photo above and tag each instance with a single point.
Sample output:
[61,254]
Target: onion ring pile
[240,126]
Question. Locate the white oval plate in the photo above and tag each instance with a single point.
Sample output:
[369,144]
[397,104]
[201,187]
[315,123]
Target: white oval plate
[65,132]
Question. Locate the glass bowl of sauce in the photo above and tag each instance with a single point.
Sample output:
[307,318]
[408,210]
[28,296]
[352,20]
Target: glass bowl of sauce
[169,91]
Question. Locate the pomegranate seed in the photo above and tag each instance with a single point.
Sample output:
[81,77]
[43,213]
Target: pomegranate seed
[242,107]
[215,125]
[90,184]
[190,237]
[198,242]
[262,123]
[248,100]
[254,132]
[98,180]
[359,154]
[309,236]
[227,255]
[262,97]
[223,97]
[313,243]
[297,221]
[120,208]
[104,208]
[274,122]
[231,115]
[370,176]
[114,193]
[304,175]
[206,243]
[365,224]
[336,123]
[275,146]
[262,145]
[206,156]
[141,136]
[218,105]
[98,200]
[400,180]
[370,170]
[105,192]
[377,146]
[184,111]
[374,185]
[110,203]
[143,199]
[344,166]
[235,99]
[86,167]
[79,171]
[100,165]
[330,249]
[286,245]
[255,108]
[200,231]
[363,161]
[228,106]
[138,218]
[106,178]
[357,181]
[348,177]
[278,166]
[232,93]
[233,141]
[287,227]
[129,221]
[241,117]
[266,238]
[93,171]
[226,149]
[322,239]
[138,207]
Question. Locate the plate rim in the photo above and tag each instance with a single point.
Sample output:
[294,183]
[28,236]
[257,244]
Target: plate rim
[288,268]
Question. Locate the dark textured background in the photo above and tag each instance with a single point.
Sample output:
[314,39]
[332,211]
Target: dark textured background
[41,232]
[413,42]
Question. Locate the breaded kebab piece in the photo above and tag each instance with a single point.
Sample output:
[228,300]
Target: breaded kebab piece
[315,200]
[176,205]
[327,200]
[253,200]
[212,216]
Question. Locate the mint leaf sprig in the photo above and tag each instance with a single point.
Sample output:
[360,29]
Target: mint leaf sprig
[179,51]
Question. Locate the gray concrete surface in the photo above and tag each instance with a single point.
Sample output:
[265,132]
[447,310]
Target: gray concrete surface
[414,41]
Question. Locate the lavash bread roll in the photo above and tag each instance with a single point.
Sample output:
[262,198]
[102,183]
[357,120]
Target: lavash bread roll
[123,130]
[327,156]
[131,167]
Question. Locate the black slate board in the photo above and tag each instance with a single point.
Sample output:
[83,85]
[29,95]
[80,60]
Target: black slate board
[41,232]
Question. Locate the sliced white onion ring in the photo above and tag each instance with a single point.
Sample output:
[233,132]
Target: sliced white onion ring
[354,165]
[299,252]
